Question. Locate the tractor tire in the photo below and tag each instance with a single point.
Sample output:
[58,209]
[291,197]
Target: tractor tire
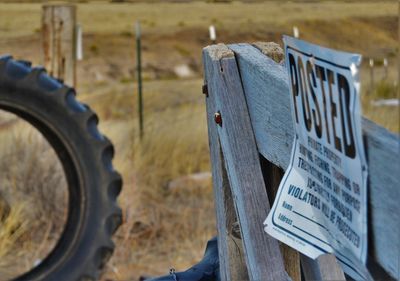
[86,156]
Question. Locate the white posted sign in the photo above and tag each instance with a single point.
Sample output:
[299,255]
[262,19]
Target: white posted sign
[321,202]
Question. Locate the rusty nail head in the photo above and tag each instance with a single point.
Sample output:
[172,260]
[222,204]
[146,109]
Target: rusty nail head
[205,90]
[218,118]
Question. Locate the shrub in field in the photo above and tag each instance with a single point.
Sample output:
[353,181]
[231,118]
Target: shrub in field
[385,90]
[33,203]
[168,226]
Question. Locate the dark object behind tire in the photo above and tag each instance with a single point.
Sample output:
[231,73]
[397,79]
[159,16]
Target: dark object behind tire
[206,270]
[86,155]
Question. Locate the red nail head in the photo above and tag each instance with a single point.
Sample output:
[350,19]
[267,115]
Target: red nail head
[218,118]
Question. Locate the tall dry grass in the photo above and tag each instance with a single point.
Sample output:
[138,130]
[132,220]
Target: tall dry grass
[163,227]
[33,201]
[386,116]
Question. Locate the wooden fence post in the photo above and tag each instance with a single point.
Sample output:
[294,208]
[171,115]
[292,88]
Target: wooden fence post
[371,72]
[79,43]
[213,34]
[230,250]
[59,47]
[241,159]
[139,75]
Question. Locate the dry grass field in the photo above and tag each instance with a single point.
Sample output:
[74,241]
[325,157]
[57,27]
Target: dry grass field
[33,197]
[168,216]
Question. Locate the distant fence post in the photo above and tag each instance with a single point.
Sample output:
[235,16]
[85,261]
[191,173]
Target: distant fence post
[398,51]
[296,32]
[139,76]
[59,48]
[371,67]
[213,34]
[79,43]
[386,66]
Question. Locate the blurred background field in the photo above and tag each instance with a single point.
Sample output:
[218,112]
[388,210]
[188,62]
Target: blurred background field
[167,196]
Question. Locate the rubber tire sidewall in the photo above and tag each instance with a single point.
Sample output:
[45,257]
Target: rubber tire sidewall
[49,112]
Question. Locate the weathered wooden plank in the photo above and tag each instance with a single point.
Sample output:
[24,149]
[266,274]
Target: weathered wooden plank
[231,256]
[263,257]
[325,267]
[383,154]
[311,269]
[266,88]
[267,93]
[272,178]
[58,36]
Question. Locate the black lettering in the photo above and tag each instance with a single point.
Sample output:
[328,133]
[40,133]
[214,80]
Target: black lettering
[304,95]
[347,131]
[295,84]
[315,112]
[320,71]
[338,144]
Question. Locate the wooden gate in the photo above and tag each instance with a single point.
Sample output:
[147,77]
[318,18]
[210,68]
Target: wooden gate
[250,134]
